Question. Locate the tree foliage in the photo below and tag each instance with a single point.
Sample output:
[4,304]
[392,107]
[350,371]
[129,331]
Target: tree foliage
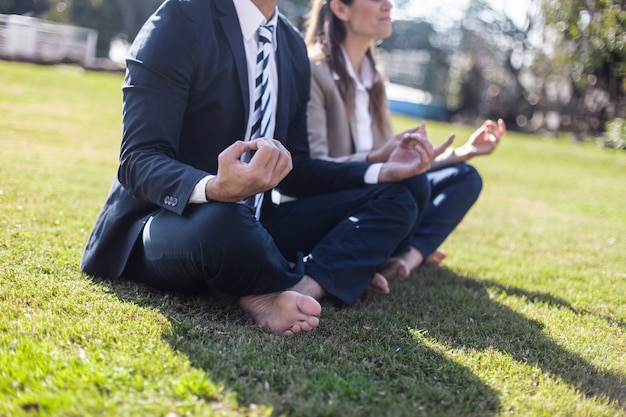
[591,36]
[473,64]
[483,65]
[589,49]
[24,7]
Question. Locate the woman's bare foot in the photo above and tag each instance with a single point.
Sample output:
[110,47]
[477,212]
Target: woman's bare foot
[285,313]
[400,267]
[379,285]
[395,268]
[436,258]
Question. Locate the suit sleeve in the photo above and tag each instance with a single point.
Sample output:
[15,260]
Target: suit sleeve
[159,75]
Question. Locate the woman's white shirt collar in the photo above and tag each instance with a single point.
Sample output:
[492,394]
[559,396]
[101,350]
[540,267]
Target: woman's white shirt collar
[366,70]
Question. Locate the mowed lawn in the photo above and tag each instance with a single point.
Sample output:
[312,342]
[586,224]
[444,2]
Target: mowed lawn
[527,317]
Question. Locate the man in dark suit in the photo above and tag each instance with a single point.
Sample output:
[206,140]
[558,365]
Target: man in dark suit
[178,216]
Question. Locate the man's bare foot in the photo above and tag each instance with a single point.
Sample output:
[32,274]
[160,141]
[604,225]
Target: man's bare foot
[379,285]
[436,258]
[286,313]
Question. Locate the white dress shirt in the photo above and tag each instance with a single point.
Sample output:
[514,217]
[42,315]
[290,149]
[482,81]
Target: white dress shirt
[363,136]
[250,18]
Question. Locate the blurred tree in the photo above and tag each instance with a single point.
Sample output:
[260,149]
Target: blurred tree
[472,64]
[112,18]
[24,7]
[411,56]
[589,48]
[486,64]
[102,15]
[295,11]
[592,36]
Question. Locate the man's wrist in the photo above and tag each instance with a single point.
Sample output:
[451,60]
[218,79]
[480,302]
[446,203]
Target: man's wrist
[372,173]
[207,188]
[198,195]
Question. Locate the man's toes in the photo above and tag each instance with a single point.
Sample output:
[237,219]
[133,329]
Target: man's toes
[308,305]
[295,329]
[306,326]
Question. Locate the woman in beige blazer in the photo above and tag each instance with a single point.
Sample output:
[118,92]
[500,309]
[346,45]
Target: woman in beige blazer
[348,120]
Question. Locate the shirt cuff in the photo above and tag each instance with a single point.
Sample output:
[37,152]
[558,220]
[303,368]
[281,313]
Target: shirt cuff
[198,195]
[371,175]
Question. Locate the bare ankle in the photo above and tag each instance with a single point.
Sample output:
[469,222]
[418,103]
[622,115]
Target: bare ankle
[308,286]
[413,258]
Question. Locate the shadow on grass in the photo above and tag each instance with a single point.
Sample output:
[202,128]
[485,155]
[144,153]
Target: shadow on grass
[460,312]
[343,368]
[552,301]
[366,359]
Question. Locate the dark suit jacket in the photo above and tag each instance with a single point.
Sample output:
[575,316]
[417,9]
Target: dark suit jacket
[186,100]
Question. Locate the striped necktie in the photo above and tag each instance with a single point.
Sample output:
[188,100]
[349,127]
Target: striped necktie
[262,94]
[262,99]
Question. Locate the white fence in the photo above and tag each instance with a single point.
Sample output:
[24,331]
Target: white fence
[32,39]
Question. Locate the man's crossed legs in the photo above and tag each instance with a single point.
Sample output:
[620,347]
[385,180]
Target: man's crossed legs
[344,237]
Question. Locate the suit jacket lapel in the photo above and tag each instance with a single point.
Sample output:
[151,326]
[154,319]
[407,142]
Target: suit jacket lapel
[232,29]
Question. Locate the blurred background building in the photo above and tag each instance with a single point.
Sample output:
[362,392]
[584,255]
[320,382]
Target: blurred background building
[544,66]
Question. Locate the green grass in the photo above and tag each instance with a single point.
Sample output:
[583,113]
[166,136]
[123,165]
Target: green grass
[527,318]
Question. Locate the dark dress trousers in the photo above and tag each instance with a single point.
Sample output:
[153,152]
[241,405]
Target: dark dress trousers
[186,99]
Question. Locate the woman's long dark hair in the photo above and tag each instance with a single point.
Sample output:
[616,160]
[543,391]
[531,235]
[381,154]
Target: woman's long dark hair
[324,35]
